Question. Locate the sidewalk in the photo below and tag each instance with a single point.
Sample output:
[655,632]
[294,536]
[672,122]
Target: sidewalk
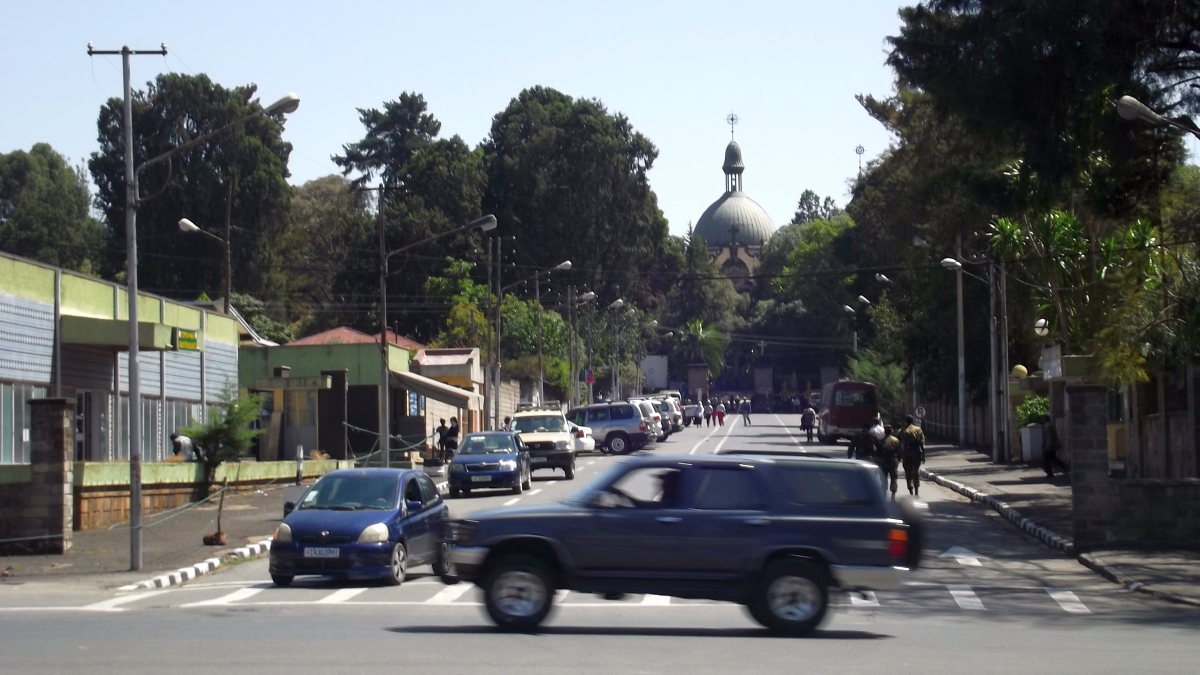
[1042,508]
[171,542]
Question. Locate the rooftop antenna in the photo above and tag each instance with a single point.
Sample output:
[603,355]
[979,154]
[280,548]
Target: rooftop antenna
[732,119]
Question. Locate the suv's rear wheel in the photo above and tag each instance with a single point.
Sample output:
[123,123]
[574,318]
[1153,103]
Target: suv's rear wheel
[518,592]
[569,470]
[618,444]
[792,597]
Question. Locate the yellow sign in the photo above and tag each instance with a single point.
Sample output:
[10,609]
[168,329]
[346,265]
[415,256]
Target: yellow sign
[185,340]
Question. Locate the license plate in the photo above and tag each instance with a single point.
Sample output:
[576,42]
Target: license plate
[321,552]
[481,479]
[538,459]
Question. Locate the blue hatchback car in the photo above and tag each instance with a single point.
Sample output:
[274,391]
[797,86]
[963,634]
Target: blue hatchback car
[363,523]
[490,459]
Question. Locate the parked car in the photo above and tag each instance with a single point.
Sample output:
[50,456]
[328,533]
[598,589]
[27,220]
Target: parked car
[544,431]
[653,417]
[671,412]
[848,406]
[618,427]
[584,442]
[362,523]
[490,459]
[790,529]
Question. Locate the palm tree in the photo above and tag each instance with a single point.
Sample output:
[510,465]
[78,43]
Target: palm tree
[700,344]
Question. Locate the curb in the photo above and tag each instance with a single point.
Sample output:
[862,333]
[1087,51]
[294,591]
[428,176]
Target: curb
[1042,534]
[1109,572]
[199,569]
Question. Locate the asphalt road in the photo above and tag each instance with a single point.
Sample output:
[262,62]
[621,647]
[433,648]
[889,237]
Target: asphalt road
[986,600]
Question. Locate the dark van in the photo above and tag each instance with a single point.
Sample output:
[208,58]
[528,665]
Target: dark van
[848,406]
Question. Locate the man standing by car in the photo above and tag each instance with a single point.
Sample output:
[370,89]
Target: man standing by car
[912,453]
[441,432]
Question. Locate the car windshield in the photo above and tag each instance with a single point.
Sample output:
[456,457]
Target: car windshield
[539,423]
[353,492]
[486,445]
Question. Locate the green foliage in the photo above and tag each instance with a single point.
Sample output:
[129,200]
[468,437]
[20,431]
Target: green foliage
[226,435]
[1032,410]
[702,293]
[811,207]
[700,344]
[888,378]
[813,276]
[254,311]
[251,157]
[44,211]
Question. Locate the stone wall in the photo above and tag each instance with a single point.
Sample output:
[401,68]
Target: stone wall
[1111,512]
[37,516]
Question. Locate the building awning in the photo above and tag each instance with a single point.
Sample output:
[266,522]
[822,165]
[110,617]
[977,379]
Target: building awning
[439,391]
[114,334]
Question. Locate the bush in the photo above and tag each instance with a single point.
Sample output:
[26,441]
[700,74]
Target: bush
[1032,410]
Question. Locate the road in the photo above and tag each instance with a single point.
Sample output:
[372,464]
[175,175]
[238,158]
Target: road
[986,600]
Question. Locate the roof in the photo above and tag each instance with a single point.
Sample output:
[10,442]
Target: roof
[246,332]
[344,335]
[440,391]
[445,357]
[733,158]
[735,210]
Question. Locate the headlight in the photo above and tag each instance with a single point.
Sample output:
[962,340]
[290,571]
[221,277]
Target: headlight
[508,464]
[457,468]
[374,534]
[283,533]
[562,445]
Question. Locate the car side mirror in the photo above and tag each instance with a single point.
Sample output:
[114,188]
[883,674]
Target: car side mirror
[413,505]
[288,507]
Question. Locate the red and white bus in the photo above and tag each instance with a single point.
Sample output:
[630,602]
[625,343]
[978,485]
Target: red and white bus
[848,406]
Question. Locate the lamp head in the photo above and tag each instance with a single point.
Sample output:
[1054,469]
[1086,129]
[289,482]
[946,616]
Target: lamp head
[653,323]
[186,225]
[1041,327]
[951,264]
[590,295]
[848,309]
[862,300]
[631,313]
[484,224]
[881,278]
[562,266]
[616,304]
[1129,108]
[919,242]
[288,104]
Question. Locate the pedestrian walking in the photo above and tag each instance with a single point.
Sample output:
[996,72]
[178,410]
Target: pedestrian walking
[697,413]
[719,413]
[912,454]
[744,408]
[451,439]
[708,413]
[889,459]
[1051,444]
[507,423]
[808,419]
[441,432]
[862,444]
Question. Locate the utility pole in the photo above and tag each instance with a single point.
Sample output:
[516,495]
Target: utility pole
[537,296]
[488,382]
[229,238]
[962,359]
[131,266]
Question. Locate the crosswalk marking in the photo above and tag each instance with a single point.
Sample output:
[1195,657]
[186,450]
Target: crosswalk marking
[1068,601]
[965,597]
[228,598]
[340,595]
[656,600]
[115,603]
[512,501]
[449,594]
[534,492]
[867,599]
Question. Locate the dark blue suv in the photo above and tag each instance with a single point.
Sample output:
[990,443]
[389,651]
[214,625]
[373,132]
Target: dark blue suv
[490,459]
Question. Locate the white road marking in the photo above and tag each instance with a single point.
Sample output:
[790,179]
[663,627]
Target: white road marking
[589,463]
[1068,601]
[551,482]
[658,600]
[963,556]
[113,603]
[703,440]
[340,595]
[534,492]
[512,501]
[786,430]
[228,598]
[732,424]
[867,599]
[965,597]
[449,594]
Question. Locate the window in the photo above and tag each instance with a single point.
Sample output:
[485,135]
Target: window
[854,397]
[824,486]
[623,412]
[730,489]
[539,423]
[16,420]
[597,415]
[655,487]
[412,491]
[428,491]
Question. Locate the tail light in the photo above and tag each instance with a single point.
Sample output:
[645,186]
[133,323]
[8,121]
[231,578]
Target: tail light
[898,542]
[579,433]
[642,426]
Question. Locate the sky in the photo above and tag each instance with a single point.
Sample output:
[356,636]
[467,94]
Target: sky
[789,69]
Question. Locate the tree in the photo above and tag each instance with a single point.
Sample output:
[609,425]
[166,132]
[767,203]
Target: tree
[701,344]
[702,293]
[44,211]
[226,434]
[811,207]
[567,174]
[888,378]
[431,186]
[248,162]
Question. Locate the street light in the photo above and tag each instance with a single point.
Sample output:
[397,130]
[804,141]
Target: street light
[1129,108]
[572,361]
[616,375]
[537,291]
[133,200]
[881,278]
[1041,328]
[188,226]
[484,224]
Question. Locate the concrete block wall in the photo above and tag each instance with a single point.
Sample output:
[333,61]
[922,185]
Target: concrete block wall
[38,516]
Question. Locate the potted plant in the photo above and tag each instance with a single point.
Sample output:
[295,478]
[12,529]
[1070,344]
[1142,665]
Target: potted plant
[1030,413]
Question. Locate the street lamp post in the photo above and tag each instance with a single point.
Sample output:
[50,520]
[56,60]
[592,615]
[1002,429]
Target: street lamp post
[616,375]
[486,223]
[572,301]
[133,200]
[1129,108]
[537,291]
[188,226]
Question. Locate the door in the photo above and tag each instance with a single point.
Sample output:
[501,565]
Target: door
[417,525]
[727,520]
[435,514]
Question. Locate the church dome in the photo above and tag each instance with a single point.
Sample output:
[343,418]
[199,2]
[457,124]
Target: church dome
[733,158]
[735,217]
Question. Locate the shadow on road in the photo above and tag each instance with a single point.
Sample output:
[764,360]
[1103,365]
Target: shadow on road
[640,631]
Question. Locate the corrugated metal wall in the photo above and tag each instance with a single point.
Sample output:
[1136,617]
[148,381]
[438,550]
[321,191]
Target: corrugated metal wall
[26,340]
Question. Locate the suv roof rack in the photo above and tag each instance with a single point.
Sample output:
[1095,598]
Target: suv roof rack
[547,405]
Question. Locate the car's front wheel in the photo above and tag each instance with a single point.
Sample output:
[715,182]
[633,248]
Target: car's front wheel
[792,597]
[569,470]
[282,580]
[518,592]
[528,482]
[398,566]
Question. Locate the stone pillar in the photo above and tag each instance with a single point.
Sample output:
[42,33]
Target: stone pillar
[52,492]
[1093,493]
